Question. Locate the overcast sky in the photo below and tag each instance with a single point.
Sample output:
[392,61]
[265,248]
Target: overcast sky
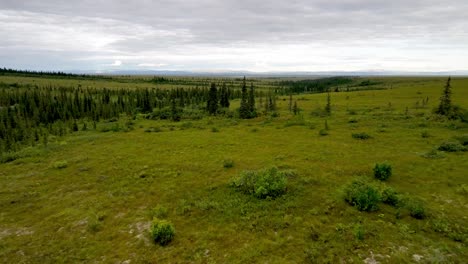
[217,35]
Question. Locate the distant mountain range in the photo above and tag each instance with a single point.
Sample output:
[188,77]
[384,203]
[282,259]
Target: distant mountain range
[276,74]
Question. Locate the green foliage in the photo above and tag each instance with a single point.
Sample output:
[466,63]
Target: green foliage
[359,232]
[228,163]
[269,182]
[159,212]
[362,195]
[328,105]
[390,196]
[433,154]
[445,106]
[382,171]
[463,139]
[62,164]
[425,134]
[323,132]
[362,136]
[451,146]
[416,208]
[245,107]
[214,129]
[162,231]
[212,103]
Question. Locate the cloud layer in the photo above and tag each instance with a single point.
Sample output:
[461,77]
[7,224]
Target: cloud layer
[314,35]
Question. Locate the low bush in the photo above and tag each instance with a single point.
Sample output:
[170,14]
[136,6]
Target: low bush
[433,154]
[158,212]
[463,139]
[323,132]
[60,164]
[425,134]
[390,196]
[362,135]
[451,146]
[228,163]
[416,208]
[162,231]
[214,130]
[362,196]
[382,171]
[264,183]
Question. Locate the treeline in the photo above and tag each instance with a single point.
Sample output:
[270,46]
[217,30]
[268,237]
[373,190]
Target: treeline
[29,114]
[30,73]
[314,85]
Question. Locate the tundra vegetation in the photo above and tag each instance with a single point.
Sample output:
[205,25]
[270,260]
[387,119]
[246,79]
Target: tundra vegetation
[151,169]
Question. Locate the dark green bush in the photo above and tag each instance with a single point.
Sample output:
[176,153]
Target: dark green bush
[425,134]
[452,146]
[382,171]
[416,208]
[433,154]
[362,196]
[162,231]
[463,139]
[228,163]
[264,183]
[323,132]
[362,135]
[390,196]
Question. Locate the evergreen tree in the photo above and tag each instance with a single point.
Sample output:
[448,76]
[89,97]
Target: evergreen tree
[244,105]
[212,103]
[251,102]
[75,126]
[295,108]
[290,102]
[328,106]
[175,116]
[224,100]
[445,105]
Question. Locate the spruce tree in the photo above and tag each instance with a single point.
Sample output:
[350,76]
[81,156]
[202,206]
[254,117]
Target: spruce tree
[290,102]
[175,116]
[328,106]
[445,105]
[295,108]
[212,104]
[251,102]
[244,107]
[224,101]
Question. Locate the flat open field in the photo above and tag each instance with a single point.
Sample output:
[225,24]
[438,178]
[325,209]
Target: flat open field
[90,196]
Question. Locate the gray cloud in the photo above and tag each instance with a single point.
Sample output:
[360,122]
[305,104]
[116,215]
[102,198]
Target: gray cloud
[251,35]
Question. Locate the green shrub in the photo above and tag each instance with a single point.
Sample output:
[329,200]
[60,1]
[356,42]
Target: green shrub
[158,212]
[382,171]
[425,134]
[323,132]
[214,129]
[60,164]
[451,146]
[416,208]
[359,232]
[228,163]
[433,154]
[362,196]
[264,183]
[463,139]
[162,231]
[390,196]
[362,135]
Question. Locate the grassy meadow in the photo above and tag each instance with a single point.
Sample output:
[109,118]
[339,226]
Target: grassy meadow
[90,196]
